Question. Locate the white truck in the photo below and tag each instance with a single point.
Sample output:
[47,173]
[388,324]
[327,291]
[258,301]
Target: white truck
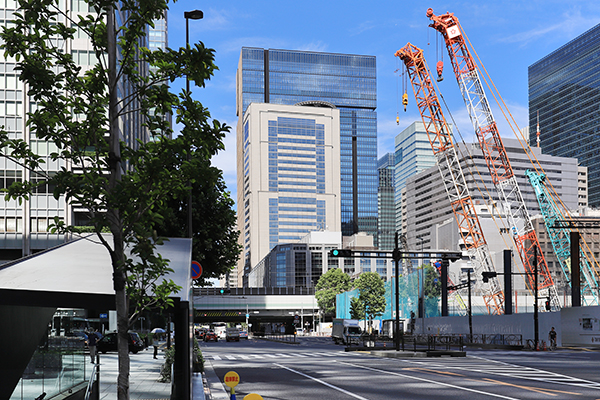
[346,331]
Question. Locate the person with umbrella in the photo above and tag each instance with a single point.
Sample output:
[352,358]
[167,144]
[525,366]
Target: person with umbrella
[155,333]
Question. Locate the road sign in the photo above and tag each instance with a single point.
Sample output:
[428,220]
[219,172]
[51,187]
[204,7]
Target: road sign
[196,270]
[103,315]
[253,396]
[231,379]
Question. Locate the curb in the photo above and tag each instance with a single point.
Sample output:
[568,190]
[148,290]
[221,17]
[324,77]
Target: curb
[216,390]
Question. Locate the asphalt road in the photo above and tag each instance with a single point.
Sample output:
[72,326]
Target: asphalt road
[317,369]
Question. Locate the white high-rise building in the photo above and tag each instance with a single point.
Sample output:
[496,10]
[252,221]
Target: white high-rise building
[290,181]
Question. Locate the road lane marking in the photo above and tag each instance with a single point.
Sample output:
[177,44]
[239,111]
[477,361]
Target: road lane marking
[433,371]
[429,381]
[323,382]
[533,389]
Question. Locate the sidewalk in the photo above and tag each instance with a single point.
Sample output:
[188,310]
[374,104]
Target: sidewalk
[144,376]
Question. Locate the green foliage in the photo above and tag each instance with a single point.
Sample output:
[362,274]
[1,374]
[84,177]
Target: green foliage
[357,309]
[128,186]
[371,293]
[215,244]
[432,286]
[165,370]
[333,282]
[198,360]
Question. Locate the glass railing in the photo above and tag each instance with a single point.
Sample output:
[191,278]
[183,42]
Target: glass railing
[57,366]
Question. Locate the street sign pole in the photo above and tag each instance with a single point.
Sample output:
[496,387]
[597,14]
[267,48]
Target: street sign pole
[397,322]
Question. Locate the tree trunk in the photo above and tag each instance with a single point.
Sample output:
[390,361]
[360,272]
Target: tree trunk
[117,255]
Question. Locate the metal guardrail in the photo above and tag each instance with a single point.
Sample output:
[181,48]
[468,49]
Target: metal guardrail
[414,342]
[92,391]
[280,337]
[495,339]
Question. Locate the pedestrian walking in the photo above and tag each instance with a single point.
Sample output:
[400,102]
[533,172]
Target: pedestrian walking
[92,340]
[552,338]
[155,344]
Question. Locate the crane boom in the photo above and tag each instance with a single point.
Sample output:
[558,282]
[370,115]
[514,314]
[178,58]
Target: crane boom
[448,164]
[501,172]
[560,237]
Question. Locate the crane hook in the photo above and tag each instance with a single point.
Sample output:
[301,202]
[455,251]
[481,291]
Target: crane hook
[440,69]
[405,101]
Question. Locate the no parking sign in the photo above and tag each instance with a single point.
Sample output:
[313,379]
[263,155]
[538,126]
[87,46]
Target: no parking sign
[196,270]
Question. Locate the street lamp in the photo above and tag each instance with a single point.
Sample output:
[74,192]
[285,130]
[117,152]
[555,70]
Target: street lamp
[196,14]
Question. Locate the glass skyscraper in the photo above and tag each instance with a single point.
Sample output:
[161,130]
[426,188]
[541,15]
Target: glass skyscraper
[564,90]
[386,206]
[346,81]
[412,154]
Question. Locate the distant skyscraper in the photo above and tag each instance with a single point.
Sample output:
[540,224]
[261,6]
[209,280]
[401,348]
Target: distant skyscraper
[289,184]
[346,81]
[386,209]
[564,90]
[412,154]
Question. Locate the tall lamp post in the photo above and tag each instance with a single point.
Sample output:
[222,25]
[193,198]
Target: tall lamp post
[196,14]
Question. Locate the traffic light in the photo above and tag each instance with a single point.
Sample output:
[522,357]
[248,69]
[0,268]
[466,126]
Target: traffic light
[340,253]
[225,291]
[548,307]
[487,275]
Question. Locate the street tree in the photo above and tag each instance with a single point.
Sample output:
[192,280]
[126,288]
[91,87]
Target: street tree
[215,234]
[371,289]
[357,310]
[330,284]
[432,287]
[123,183]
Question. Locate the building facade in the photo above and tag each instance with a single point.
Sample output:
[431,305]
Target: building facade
[412,154]
[344,80]
[290,184]
[386,206]
[301,264]
[564,96]
[427,203]
[24,226]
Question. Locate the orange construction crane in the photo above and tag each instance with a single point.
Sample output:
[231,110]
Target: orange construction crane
[448,164]
[505,182]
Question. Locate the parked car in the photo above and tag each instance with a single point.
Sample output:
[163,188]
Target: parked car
[109,343]
[243,334]
[211,335]
[232,334]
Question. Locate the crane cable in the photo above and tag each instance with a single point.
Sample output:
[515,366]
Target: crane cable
[528,151]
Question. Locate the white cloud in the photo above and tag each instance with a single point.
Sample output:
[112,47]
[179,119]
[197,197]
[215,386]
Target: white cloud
[571,23]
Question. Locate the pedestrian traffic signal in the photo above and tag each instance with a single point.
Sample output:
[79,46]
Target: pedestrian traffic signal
[487,275]
[340,253]
[548,306]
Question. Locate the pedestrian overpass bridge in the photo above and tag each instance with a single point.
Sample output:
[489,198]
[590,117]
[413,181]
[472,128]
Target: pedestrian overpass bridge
[254,305]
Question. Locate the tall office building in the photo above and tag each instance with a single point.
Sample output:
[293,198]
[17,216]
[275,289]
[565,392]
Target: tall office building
[24,226]
[564,92]
[412,154]
[346,81]
[386,206]
[290,184]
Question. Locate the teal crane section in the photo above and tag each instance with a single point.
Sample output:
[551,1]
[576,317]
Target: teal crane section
[560,237]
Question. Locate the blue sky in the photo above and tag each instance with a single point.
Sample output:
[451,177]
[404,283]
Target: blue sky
[508,36]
